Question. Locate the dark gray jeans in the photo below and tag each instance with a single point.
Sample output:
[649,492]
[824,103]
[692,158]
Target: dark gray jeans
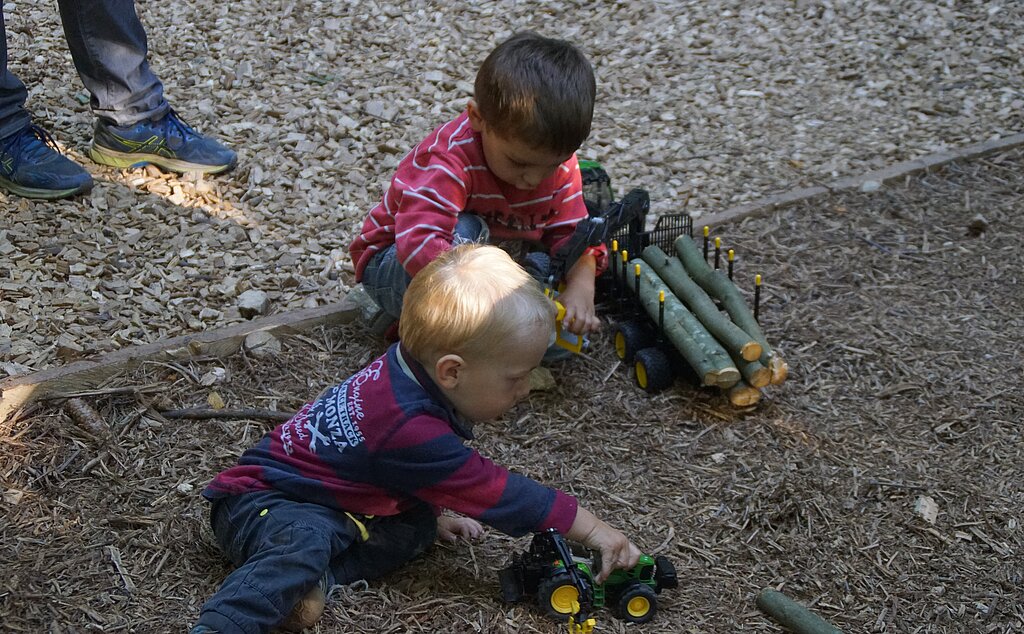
[282,548]
[385,279]
[108,45]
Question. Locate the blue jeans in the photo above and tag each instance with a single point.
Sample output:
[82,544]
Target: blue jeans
[385,279]
[108,45]
[282,548]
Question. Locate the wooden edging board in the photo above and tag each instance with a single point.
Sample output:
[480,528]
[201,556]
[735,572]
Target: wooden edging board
[882,177]
[19,391]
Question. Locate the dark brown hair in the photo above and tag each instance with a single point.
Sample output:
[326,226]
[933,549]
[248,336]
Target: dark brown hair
[537,90]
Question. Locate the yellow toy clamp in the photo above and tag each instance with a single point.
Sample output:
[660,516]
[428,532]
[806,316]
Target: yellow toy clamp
[585,627]
[572,342]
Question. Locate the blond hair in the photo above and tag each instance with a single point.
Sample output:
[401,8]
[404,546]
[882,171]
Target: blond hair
[470,300]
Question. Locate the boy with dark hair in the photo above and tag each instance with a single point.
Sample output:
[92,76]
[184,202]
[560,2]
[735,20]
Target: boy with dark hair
[354,485]
[505,169]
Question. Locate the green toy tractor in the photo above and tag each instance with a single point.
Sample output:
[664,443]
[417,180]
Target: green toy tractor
[570,591]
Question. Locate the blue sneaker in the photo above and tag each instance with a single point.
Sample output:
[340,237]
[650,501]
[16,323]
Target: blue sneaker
[32,166]
[167,142]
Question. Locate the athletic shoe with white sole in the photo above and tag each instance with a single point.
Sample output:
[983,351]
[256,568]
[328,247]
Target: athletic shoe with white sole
[168,143]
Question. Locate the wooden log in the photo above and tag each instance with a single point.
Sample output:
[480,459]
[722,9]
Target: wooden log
[700,349]
[792,615]
[19,392]
[716,284]
[779,369]
[754,373]
[737,341]
[744,395]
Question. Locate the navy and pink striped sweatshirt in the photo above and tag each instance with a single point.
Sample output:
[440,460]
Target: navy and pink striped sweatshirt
[445,175]
[382,440]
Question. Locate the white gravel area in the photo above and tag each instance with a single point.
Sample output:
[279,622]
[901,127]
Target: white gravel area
[717,101]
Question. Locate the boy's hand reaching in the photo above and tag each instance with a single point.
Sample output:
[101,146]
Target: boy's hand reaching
[617,552]
[578,298]
[451,528]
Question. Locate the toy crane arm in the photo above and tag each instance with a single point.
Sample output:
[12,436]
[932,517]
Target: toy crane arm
[597,230]
[583,588]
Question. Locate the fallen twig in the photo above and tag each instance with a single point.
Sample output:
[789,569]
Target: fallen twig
[206,413]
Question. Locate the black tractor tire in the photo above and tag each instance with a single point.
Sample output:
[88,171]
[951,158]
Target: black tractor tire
[653,370]
[631,336]
[556,594]
[638,603]
[597,189]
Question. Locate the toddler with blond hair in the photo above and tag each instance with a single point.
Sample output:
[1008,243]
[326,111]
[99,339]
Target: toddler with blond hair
[358,481]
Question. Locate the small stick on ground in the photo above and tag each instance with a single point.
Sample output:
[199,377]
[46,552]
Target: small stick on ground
[207,413]
[792,615]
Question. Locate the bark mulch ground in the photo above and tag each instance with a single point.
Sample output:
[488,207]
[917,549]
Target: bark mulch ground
[899,312]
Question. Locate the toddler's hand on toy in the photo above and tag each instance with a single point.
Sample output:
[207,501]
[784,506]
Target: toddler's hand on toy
[618,554]
[450,528]
[615,548]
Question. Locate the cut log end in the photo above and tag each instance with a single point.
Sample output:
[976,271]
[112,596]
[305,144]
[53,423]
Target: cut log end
[743,395]
[779,369]
[751,351]
[724,378]
[760,377]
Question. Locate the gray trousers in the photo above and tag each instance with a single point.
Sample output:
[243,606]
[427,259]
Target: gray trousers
[385,279]
[108,45]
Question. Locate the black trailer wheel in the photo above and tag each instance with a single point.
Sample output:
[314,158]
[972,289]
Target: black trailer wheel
[556,594]
[653,370]
[631,336]
[637,604]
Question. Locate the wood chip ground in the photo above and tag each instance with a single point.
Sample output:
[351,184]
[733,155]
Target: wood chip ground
[719,101]
[881,484]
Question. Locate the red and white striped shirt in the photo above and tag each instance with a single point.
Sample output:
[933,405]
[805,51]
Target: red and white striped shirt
[445,175]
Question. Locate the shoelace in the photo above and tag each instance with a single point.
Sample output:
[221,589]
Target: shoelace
[175,122]
[33,142]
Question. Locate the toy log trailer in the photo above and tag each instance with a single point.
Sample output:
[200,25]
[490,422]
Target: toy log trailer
[683,331]
[726,350]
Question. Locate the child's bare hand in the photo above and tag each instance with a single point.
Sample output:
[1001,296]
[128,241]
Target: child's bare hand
[451,528]
[578,298]
[580,316]
[617,552]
